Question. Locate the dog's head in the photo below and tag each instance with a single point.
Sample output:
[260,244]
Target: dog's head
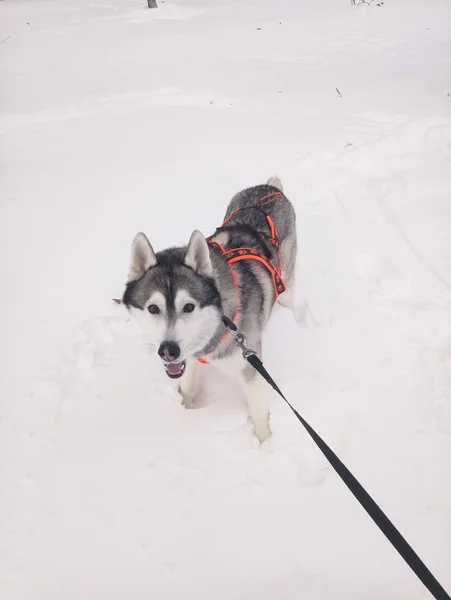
[173,296]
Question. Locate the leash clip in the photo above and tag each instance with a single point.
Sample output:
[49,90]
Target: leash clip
[240,338]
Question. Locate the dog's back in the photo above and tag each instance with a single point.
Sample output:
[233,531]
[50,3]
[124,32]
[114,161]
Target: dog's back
[247,213]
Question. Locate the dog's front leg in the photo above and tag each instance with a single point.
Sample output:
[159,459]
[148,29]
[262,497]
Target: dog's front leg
[256,390]
[189,383]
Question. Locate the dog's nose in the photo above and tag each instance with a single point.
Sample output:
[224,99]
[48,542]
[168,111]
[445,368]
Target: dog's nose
[169,351]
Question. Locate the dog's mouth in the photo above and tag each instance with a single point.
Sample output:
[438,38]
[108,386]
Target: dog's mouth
[175,370]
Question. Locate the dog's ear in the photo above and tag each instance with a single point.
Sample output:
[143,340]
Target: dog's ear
[198,255]
[142,259]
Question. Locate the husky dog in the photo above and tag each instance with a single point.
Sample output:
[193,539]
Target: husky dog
[180,295]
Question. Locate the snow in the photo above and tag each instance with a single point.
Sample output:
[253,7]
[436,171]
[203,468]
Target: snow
[115,119]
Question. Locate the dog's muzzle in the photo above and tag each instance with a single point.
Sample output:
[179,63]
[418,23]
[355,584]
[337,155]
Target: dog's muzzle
[169,352]
[175,370]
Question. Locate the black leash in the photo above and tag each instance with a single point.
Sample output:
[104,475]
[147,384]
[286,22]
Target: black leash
[373,510]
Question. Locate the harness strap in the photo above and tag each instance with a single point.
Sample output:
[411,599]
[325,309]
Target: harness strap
[268,198]
[238,254]
[237,288]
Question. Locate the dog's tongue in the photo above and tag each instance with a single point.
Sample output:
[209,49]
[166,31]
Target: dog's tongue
[174,368]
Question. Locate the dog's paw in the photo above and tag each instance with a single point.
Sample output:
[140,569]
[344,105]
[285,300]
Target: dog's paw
[262,431]
[192,401]
[187,399]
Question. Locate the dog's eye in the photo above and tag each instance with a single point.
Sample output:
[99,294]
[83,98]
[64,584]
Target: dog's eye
[153,309]
[188,308]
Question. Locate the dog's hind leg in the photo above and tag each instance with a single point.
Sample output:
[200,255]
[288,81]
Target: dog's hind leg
[287,298]
[298,305]
[288,259]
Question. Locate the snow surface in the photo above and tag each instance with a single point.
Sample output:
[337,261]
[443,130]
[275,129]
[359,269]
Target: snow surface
[116,118]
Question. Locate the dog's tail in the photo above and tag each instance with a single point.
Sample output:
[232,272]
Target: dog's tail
[275,182]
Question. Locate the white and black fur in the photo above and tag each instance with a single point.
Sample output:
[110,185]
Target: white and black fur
[180,295]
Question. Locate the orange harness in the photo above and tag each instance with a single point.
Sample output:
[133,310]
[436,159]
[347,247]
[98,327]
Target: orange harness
[237,254]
